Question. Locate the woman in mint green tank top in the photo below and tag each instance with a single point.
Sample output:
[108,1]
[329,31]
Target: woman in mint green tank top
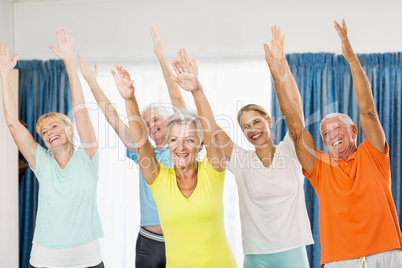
[67,224]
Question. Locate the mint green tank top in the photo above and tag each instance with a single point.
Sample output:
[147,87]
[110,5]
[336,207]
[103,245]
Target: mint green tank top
[67,207]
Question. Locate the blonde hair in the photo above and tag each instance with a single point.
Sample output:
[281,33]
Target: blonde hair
[252,107]
[57,117]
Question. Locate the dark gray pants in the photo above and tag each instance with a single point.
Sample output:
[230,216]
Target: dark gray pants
[149,253]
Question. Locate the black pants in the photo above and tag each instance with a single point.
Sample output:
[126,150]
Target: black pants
[100,265]
[149,253]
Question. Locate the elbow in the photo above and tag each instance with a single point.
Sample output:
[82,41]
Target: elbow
[10,125]
[144,149]
[369,113]
[141,146]
[296,133]
[179,104]
[141,142]
[295,125]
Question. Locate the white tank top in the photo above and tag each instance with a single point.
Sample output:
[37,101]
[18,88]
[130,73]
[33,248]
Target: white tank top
[85,255]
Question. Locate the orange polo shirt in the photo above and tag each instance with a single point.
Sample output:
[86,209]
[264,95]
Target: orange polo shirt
[357,213]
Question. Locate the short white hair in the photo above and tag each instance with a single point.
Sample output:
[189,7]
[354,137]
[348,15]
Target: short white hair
[185,117]
[343,117]
[162,110]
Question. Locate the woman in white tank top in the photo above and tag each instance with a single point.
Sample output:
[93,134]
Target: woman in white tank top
[275,224]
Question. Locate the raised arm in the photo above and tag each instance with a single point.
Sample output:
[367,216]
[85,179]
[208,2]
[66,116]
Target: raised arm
[277,49]
[304,144]
[187,79]
[82,120]
[369,120]
[108,109]
[226,142]
[22,137]
[174,91]
[146,156]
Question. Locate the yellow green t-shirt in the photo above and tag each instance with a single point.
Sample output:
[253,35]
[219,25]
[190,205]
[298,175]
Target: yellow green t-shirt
[193,227]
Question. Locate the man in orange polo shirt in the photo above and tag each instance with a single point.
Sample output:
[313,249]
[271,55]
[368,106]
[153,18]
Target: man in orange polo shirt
[358,221]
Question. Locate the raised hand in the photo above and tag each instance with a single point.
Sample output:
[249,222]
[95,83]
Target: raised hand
[123,82]
[277,43]
[65,51]
[182,54]
[185,77]
[347,50]
[277,67]
[89,75]
[156,41]
[6,64]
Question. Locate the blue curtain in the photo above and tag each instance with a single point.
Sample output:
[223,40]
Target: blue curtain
[326,86]
[43,88]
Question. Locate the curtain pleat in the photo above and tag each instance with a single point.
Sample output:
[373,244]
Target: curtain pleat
[326,86]
[43,88]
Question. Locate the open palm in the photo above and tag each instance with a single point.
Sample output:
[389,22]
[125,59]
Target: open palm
[123,82]
[65,51]
[277,43]
[347,49]
[6,64]
[156,41]
[186,77]
[182,54]
[277,68]
[87,73]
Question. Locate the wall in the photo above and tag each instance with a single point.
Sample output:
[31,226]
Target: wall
[8,190]
[119,30]
[6,22]
[8,162]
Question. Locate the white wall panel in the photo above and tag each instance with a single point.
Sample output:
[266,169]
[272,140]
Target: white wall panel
[119,30]
[6,22]
[8,189]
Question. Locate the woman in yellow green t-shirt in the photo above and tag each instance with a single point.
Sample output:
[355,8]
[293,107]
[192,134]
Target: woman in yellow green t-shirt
[188,194]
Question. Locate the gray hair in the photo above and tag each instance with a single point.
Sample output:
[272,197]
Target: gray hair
[343,117]
[185,117]
[162,110]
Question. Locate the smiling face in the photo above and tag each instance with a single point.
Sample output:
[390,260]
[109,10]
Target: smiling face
[184,145]
[339,138]
[255,127]
[56,134]
[155,124]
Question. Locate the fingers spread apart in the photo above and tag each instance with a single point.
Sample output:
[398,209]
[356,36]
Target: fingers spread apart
[342,30]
